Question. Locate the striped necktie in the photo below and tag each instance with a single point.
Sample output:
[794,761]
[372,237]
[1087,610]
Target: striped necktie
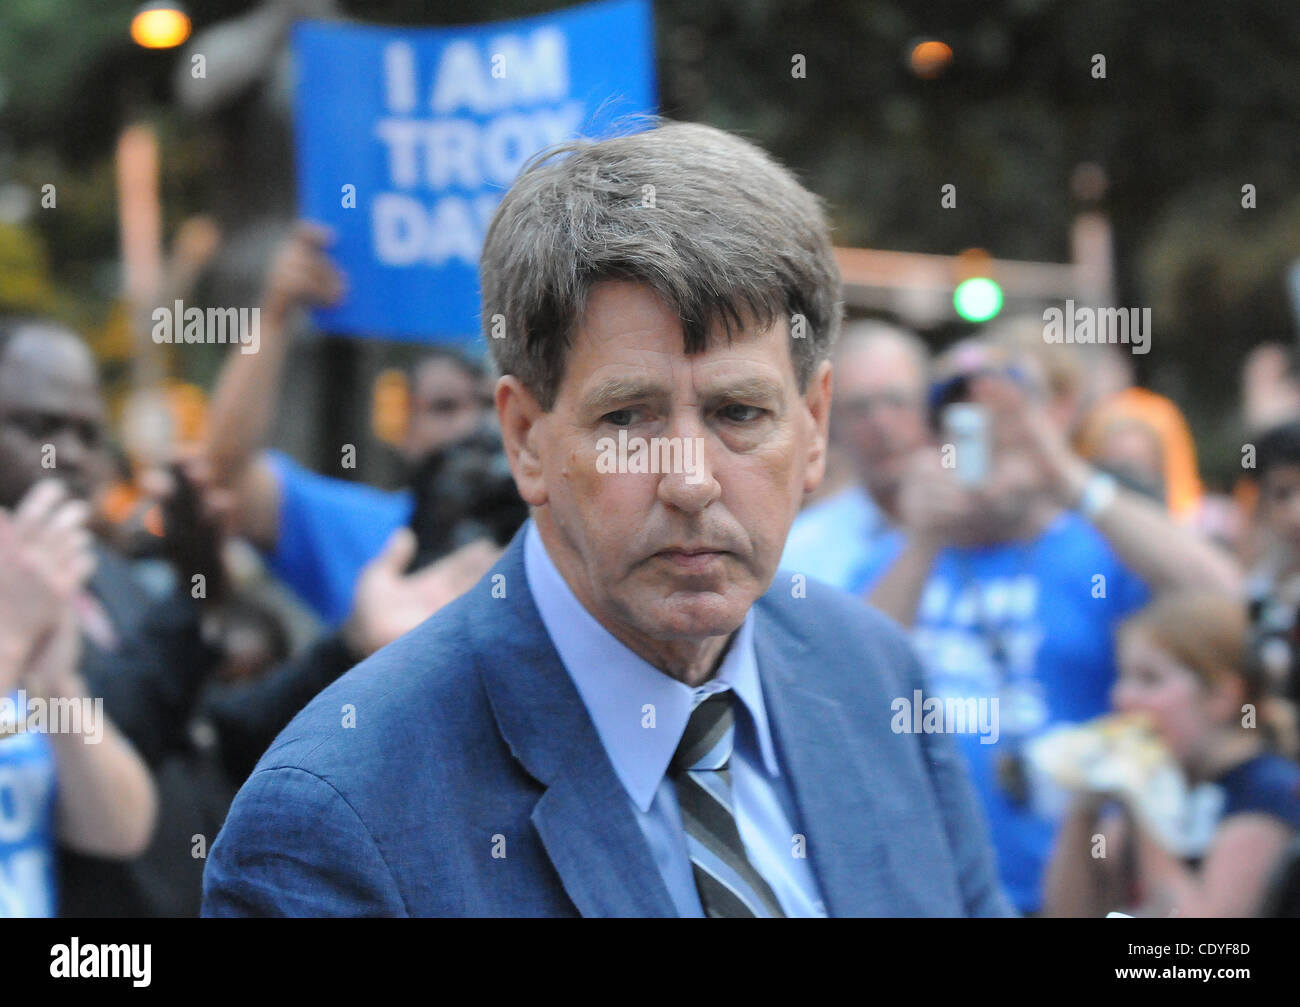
[728,884]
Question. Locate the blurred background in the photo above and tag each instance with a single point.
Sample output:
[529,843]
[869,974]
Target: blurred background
[1196,102]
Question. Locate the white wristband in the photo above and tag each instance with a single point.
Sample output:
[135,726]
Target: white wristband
[1099,493]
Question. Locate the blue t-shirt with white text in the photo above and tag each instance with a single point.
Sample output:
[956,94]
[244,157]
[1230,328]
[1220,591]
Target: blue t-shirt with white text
[1031,623]
[27,826]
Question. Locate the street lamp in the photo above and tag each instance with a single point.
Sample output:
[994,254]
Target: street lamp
[160,25]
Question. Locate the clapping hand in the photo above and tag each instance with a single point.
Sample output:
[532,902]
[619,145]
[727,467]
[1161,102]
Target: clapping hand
[45,559]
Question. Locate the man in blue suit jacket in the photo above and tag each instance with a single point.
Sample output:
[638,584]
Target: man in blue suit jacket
[633,713]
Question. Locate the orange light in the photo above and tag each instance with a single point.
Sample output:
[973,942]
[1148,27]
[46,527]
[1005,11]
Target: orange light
[972,262]
[390,410]
[160,26]
[929,59]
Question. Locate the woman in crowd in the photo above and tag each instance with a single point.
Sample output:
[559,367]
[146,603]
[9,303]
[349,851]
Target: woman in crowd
[1185,668]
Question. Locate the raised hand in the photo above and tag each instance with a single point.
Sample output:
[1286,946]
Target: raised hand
[389,603]
[45,558]
[302,274]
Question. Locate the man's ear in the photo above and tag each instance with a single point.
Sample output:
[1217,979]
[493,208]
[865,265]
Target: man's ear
[522,427]
[818,402]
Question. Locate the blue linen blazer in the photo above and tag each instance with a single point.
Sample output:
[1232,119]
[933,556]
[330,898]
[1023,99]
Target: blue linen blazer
[456,772]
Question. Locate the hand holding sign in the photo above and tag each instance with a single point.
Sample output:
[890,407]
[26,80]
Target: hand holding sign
[302,274]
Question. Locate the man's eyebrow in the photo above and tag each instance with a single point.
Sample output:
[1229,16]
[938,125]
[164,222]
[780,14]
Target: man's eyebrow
[614,391]
[744,388]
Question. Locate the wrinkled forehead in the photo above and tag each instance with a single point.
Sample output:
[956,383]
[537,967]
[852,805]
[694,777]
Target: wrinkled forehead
[49,371]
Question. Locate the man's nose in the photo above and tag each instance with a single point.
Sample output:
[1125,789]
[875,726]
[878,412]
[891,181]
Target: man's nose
[689,483]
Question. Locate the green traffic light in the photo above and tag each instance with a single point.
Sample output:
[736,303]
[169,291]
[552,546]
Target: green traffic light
[977,299]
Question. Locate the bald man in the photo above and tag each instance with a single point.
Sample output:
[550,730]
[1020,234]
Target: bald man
[878,420]
[51,412]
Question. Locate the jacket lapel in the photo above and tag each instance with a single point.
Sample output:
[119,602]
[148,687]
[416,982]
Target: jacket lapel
[585,819]
[828,775]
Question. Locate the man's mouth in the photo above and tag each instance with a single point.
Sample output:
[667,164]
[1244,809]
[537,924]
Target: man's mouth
[692,559]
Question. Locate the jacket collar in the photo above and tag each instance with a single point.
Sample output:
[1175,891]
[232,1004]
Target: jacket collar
[584,818]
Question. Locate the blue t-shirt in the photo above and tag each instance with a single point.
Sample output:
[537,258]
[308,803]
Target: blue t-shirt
[27,826]
[329,530]
[1031,624]
[1268,784]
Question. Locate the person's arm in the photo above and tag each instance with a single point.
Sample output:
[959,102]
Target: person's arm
[248,389]
[1166,555]
[107,805]
[1232,878]
[293,846]
[1078,881]
[898,592]
[931,506]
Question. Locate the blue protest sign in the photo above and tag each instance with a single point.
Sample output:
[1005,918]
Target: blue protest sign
[407,138]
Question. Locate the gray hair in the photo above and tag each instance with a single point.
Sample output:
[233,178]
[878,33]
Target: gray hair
[721,231]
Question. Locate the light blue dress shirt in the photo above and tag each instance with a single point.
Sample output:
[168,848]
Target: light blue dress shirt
[845,540]
[640,714]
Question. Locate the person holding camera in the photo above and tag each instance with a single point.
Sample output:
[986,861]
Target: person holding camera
[318,532]
[1019,561]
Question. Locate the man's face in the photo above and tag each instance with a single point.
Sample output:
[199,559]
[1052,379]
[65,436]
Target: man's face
[51,415]
[617,536]
[446,404]
[879,411]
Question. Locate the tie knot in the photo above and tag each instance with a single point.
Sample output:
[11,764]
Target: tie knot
[706,742]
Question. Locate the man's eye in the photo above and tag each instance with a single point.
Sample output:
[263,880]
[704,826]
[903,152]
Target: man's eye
[36,426]
[91,434]
[619,417]
[738,413]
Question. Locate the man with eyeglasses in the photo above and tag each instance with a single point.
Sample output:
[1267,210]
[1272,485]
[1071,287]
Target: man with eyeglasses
[878,421]
[1015,573]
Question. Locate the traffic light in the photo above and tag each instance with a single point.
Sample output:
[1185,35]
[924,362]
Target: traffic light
[977,299]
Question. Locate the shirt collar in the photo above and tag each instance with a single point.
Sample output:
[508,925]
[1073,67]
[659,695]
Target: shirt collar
[638,711]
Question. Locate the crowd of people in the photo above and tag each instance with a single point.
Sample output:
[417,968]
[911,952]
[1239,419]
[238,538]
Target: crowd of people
[159,625]
[1081,577]
[1084,578]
